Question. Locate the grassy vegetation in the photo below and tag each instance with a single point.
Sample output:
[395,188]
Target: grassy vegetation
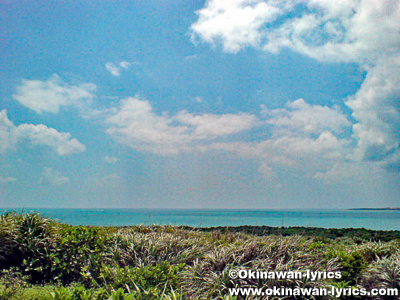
[42,259]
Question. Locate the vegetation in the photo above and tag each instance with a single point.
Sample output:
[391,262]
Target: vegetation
[358,234]
[42,259]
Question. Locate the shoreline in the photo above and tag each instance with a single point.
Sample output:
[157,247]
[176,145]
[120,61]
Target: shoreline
[383,208]
[379,220]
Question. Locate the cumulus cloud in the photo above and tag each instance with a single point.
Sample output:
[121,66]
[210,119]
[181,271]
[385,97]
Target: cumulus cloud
[350,173]
[236,24]
[6,180]
[48,96]
[299,134]
[116,70]
[137,125]
[53,176]
[7,139]
[124,64]
[366,32]
[211,126]
[350,30]
[60,142]
[300,152]
[299,116]
[113,69]
[376,108]
[110,159]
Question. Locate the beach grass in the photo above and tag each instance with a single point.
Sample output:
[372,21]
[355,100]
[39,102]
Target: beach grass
[43,259]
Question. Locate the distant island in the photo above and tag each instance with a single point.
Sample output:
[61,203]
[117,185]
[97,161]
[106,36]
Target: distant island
[382,208]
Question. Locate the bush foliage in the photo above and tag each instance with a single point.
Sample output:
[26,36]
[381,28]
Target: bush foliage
[43,259]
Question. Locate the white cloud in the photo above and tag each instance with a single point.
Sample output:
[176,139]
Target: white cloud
[349,173]
[302,135]
[124,64]
[40,134]
[60,142]
[53,176]
[366,32]
[346,30]
[137,125]
[298,152]
[116,70]
[234,23]
[376,108]
[191,57]
[6,128]
[6,180]
[113,69]
[299,116]
[110,159]
[210,126]
[50,95]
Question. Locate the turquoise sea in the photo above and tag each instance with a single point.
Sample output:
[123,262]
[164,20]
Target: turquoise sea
[374,219]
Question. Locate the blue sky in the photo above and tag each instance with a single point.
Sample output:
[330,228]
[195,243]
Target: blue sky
[194,104]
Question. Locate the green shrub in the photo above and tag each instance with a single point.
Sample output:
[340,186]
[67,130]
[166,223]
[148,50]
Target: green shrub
[78,248]
[48,252]
[34,293]
[351,264]
[26,242]
[14,287]
[316,246]
[77,292]
[151,281]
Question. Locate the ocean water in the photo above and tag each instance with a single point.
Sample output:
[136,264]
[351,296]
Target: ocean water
[378,220]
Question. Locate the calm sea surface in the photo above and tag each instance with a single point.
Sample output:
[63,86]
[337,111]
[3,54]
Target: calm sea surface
[379,220]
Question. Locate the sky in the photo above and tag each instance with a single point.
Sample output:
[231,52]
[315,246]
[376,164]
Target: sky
[231,104]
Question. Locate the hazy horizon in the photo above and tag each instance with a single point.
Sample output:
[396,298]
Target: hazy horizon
[21,208]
